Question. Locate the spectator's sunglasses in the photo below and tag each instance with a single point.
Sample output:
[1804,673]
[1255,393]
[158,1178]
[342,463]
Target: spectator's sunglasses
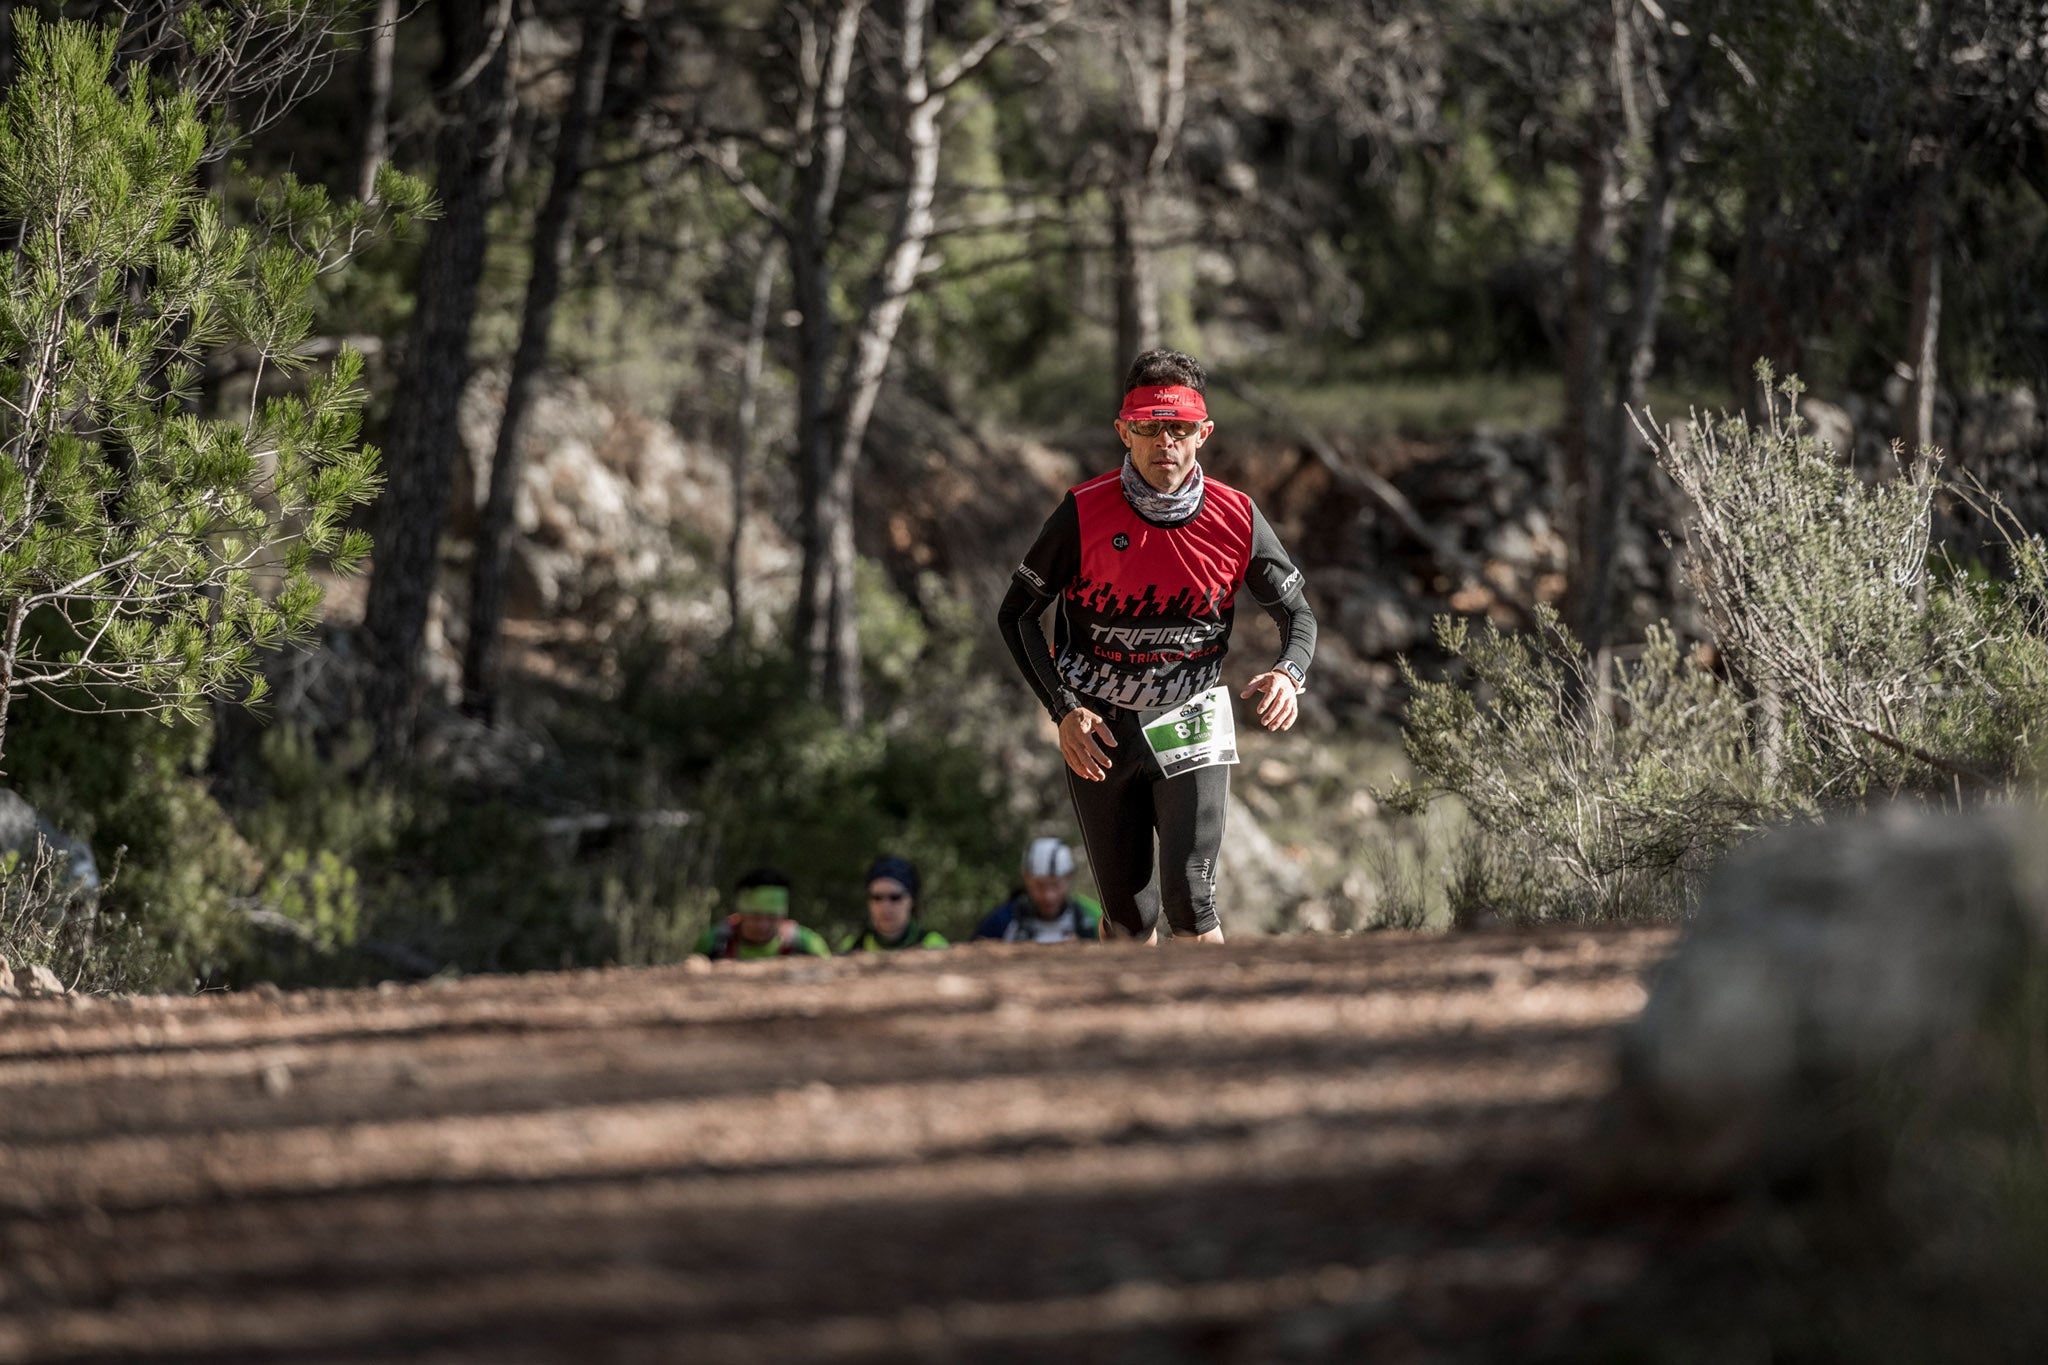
[1179,431]
[888,895]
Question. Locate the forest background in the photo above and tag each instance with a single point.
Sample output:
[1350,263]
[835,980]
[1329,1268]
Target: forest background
[742,347]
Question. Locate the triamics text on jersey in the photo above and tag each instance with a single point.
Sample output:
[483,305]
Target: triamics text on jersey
[1139,637]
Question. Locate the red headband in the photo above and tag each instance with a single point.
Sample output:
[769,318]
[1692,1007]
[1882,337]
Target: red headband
[1164,402]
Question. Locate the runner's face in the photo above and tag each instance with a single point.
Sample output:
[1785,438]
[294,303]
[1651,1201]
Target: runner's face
[888,906]
[1048,894]
[758,929]
[1165,460]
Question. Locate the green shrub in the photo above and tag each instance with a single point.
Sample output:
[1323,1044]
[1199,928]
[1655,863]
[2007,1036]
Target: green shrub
[1893,672]
[39,923]
[131,787]
[1592,801]
[1857,666]
[777,781]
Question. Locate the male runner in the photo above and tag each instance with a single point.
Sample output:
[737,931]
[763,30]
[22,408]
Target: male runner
[1145,563]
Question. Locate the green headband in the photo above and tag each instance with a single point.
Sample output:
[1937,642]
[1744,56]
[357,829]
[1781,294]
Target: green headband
[764,900]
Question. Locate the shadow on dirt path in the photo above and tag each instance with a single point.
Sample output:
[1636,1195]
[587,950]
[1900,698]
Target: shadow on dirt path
[1284,1150]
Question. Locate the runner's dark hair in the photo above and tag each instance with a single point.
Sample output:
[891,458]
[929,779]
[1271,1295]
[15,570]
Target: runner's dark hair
[763,876]
[1166,367]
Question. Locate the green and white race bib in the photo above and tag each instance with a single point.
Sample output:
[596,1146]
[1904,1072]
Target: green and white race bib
[1196,734]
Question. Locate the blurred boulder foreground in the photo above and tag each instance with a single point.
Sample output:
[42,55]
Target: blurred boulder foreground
[1850,1048]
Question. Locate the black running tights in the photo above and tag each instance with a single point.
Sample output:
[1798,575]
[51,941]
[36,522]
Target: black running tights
[1121,816]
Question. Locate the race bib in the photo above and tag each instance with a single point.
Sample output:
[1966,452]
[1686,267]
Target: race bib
[1196,734]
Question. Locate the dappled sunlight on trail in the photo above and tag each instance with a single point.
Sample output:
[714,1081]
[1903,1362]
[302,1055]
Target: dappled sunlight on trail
[1282,1149]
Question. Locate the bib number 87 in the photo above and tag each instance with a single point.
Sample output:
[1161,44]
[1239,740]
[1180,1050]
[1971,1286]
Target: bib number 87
[1192,728]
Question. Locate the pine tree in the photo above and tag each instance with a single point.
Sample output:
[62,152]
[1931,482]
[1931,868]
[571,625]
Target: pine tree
[147,551]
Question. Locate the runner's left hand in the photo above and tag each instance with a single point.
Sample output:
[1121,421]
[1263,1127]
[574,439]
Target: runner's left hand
[1278,710]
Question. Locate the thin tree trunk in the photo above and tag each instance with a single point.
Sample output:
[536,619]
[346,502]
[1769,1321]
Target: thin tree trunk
[553,239]
[817,342]
[1586,343]
[888,297]
[1158,86]
[1766,306]
[1745,299]
[1125,266]
[1615,472]
[842,621]
[10,653]
[1923,321]
[1587,327]
[1770,728]
[375,144]
[743,439]
[1137,289]
[421,446]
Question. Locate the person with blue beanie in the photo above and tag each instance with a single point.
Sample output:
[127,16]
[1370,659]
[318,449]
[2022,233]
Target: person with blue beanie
[892,885]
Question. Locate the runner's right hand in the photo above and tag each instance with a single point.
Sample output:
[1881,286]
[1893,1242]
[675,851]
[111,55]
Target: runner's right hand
[1082,735]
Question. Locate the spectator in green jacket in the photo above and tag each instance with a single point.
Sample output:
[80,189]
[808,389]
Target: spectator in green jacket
[892,911]
[760,925]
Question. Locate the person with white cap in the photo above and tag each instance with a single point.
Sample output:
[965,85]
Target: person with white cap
[1144,565]
[1046,910]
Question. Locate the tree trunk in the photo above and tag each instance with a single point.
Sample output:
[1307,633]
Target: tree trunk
[1745,300]
[1158,87]
[818,341]
[10,653]
[1616,470]
[1585,360]
[748,420]
[1588,326]
[422,441]
[375,143]
[888,297]
[842,623]
[1923,320]
[1767,305]
[1137,289]
[553,239]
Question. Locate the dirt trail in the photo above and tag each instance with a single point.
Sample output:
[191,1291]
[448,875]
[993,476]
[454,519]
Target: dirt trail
[1284,1150]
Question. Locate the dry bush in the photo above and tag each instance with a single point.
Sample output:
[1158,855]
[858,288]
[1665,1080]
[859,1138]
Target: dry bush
[1856,663]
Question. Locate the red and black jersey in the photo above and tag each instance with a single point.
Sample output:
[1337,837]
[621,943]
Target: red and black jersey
[1145,607]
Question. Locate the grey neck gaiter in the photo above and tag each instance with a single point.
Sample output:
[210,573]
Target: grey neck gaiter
[1153,505]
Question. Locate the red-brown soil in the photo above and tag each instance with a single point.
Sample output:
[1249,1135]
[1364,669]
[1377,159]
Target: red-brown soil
[1336,1149]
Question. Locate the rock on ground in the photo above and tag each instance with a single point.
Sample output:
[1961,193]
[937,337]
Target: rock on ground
[1825,954]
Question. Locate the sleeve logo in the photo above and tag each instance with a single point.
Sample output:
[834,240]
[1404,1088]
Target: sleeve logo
[1024,572]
